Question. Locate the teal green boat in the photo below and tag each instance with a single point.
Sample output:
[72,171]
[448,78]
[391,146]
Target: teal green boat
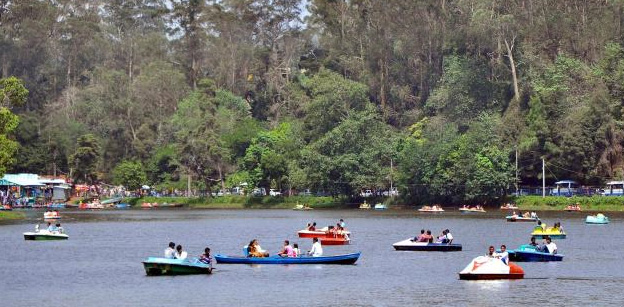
[155,266]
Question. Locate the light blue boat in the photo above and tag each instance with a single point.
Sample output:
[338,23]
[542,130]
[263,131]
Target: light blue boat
[597,219]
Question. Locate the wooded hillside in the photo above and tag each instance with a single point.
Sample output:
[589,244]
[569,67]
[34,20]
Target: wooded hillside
[321,94]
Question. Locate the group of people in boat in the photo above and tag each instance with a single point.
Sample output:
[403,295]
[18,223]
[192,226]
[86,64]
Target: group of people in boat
[509,206]
[547,246]
[557,228]
[445,237]
[51,214]
[477,207]
[176,252]
[53,228]
[526,214]
[503,255]
[575,207]
[432,208]
[287,250]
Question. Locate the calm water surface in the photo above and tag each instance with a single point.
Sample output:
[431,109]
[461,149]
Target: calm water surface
[100,265]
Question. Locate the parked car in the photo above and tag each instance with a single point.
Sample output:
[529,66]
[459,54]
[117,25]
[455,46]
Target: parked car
[274,192]
[258,192]
[305,192]
[391,192]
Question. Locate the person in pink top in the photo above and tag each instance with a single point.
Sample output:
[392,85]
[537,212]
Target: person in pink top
[287,250]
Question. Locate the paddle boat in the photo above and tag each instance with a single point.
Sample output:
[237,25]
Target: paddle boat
[466,209]
[337,259]
[45,235]
[540,232]
[526,217]
[155,266]
[6,208]
[122,206]
[597,219]
[335,241]
[302,207]
[410,245]
[365,206]
[325,232]
[381,207]
[431,209]
[149,205]
[51,215]
[484,268]
[530,253]
[573,208]
[509,206]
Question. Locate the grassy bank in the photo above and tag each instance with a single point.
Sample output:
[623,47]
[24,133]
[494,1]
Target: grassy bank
[11,215]
[594,203]
[243,202]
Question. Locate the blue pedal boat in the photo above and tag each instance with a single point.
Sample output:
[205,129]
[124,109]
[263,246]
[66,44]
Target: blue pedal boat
[597,219]
[528,253]
[155,266]
[337,259]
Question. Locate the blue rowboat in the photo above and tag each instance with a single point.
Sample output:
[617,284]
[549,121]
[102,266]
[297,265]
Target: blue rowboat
[597,219]
[155,266]
[528,253]
[409,245]
[337,259]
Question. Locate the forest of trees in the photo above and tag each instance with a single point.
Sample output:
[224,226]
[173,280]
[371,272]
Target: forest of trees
[319,94]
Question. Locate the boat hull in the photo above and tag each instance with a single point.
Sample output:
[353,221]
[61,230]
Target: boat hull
[318,234]
[338,259]
[490,276]
[552,236]
[408,245]
[531,255]
[594,220]
[161,266]
[334,241]
[44,237]
[521,219]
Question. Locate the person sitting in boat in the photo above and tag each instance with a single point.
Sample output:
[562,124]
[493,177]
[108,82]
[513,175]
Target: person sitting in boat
[180,254]
[514,214]
[312,227]
[533,215]
[551,247]
[317,249]
[287,250]
[448,237]
[419,238]
[540,226]
[342,223]
[205,257]
[503,255]
[533,243]
[255,250]
[526,214]
[442,237]
[491,252]
[170,251]
[296,251]
[427,237]
[59,228]
[51,228]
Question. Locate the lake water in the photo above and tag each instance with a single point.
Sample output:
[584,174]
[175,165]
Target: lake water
[100,265]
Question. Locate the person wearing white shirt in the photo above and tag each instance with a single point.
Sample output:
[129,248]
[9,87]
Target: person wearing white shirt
[316,250]
[170,251]
[180,254]
[503,255]
[551,246]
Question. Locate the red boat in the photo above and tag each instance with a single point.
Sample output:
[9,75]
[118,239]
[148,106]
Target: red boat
[335,241]
[573,208]
[320,233]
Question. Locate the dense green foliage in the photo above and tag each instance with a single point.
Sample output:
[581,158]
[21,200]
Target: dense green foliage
[250,91]
[130,174]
